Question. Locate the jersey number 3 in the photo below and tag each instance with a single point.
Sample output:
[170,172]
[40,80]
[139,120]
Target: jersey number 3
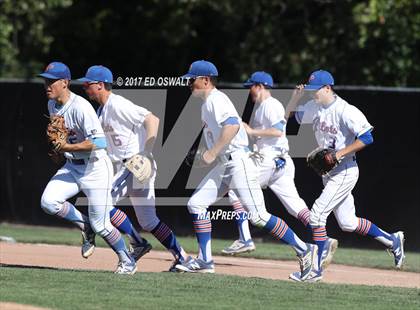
[331,144]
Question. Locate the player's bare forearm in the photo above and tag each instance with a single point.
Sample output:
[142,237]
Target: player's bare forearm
[227,134]
[84,146]
[290,109]
[269,132]
[356,146]
[293,102]
[151,123]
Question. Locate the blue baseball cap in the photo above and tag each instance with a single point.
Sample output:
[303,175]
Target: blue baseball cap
[319,79]
[201,68]
[97,74]
[56,71]
[259,77]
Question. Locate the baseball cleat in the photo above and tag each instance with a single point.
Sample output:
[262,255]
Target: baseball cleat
[126,268]
[307,260]
[195,265]
[327,254]
[137,250]
[314,276]
[398,249]
[176,262]
[88,242]
[239,247]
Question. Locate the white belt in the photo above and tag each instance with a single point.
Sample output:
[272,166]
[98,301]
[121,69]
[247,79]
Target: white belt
[83,161]
[274,149]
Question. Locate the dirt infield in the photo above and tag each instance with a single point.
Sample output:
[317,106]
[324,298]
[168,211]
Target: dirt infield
[15,306]
[68,257]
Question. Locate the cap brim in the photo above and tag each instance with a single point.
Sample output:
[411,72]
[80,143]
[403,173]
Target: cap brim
[313,87]
[85,79]
[49,76]
[248,83]
[188,76]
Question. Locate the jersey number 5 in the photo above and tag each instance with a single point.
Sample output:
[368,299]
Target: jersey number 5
[117,142]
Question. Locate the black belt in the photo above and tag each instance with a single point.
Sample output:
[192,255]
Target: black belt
[227,157]
[82,161]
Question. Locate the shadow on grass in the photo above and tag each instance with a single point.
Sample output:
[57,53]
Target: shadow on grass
[50,268]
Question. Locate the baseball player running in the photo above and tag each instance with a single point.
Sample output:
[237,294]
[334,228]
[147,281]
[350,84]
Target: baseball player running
[276,167]
[342,127]
[130,130]
[227,145]
[87,169]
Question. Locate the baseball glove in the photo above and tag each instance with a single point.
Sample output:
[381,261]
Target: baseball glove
[194,158]
[141,167]
[57,133]
[322,160]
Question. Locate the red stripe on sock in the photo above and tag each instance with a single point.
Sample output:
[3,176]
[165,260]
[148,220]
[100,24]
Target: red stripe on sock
[237,206]
[369,224]
[304,216]
[113,237]
[319,234]
[202,226]
[279,229]
[117,215]
[122,219]
[363,226]
[283,229]
[65,208]
[163,232]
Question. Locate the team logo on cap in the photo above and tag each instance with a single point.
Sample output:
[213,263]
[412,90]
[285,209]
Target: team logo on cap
[49,67]
[312,77]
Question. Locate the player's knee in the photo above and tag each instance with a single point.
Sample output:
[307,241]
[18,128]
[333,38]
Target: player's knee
[260,219]
[101,227]
[49,205]
[348,224]
[232,197]
[101,231]
[317,219]
[194,206]
[148,224]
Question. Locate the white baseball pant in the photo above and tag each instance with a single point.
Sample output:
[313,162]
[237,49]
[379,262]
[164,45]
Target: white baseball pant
[95,180]
[239,174]
[142,197]
[336,196]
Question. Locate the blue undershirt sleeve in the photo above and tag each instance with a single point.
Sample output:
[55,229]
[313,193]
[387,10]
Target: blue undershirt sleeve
[366,138]
[230,121]
[100,142]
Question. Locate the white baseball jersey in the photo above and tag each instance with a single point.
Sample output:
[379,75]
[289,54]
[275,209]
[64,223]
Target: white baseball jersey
[81,120]
[281,181]
[269,113]
[216,109]
[93,178]
[122,121]
[336,125]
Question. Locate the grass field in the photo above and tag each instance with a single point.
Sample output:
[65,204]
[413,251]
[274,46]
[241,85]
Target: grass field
[60,289]
[76,289]
[346,256]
